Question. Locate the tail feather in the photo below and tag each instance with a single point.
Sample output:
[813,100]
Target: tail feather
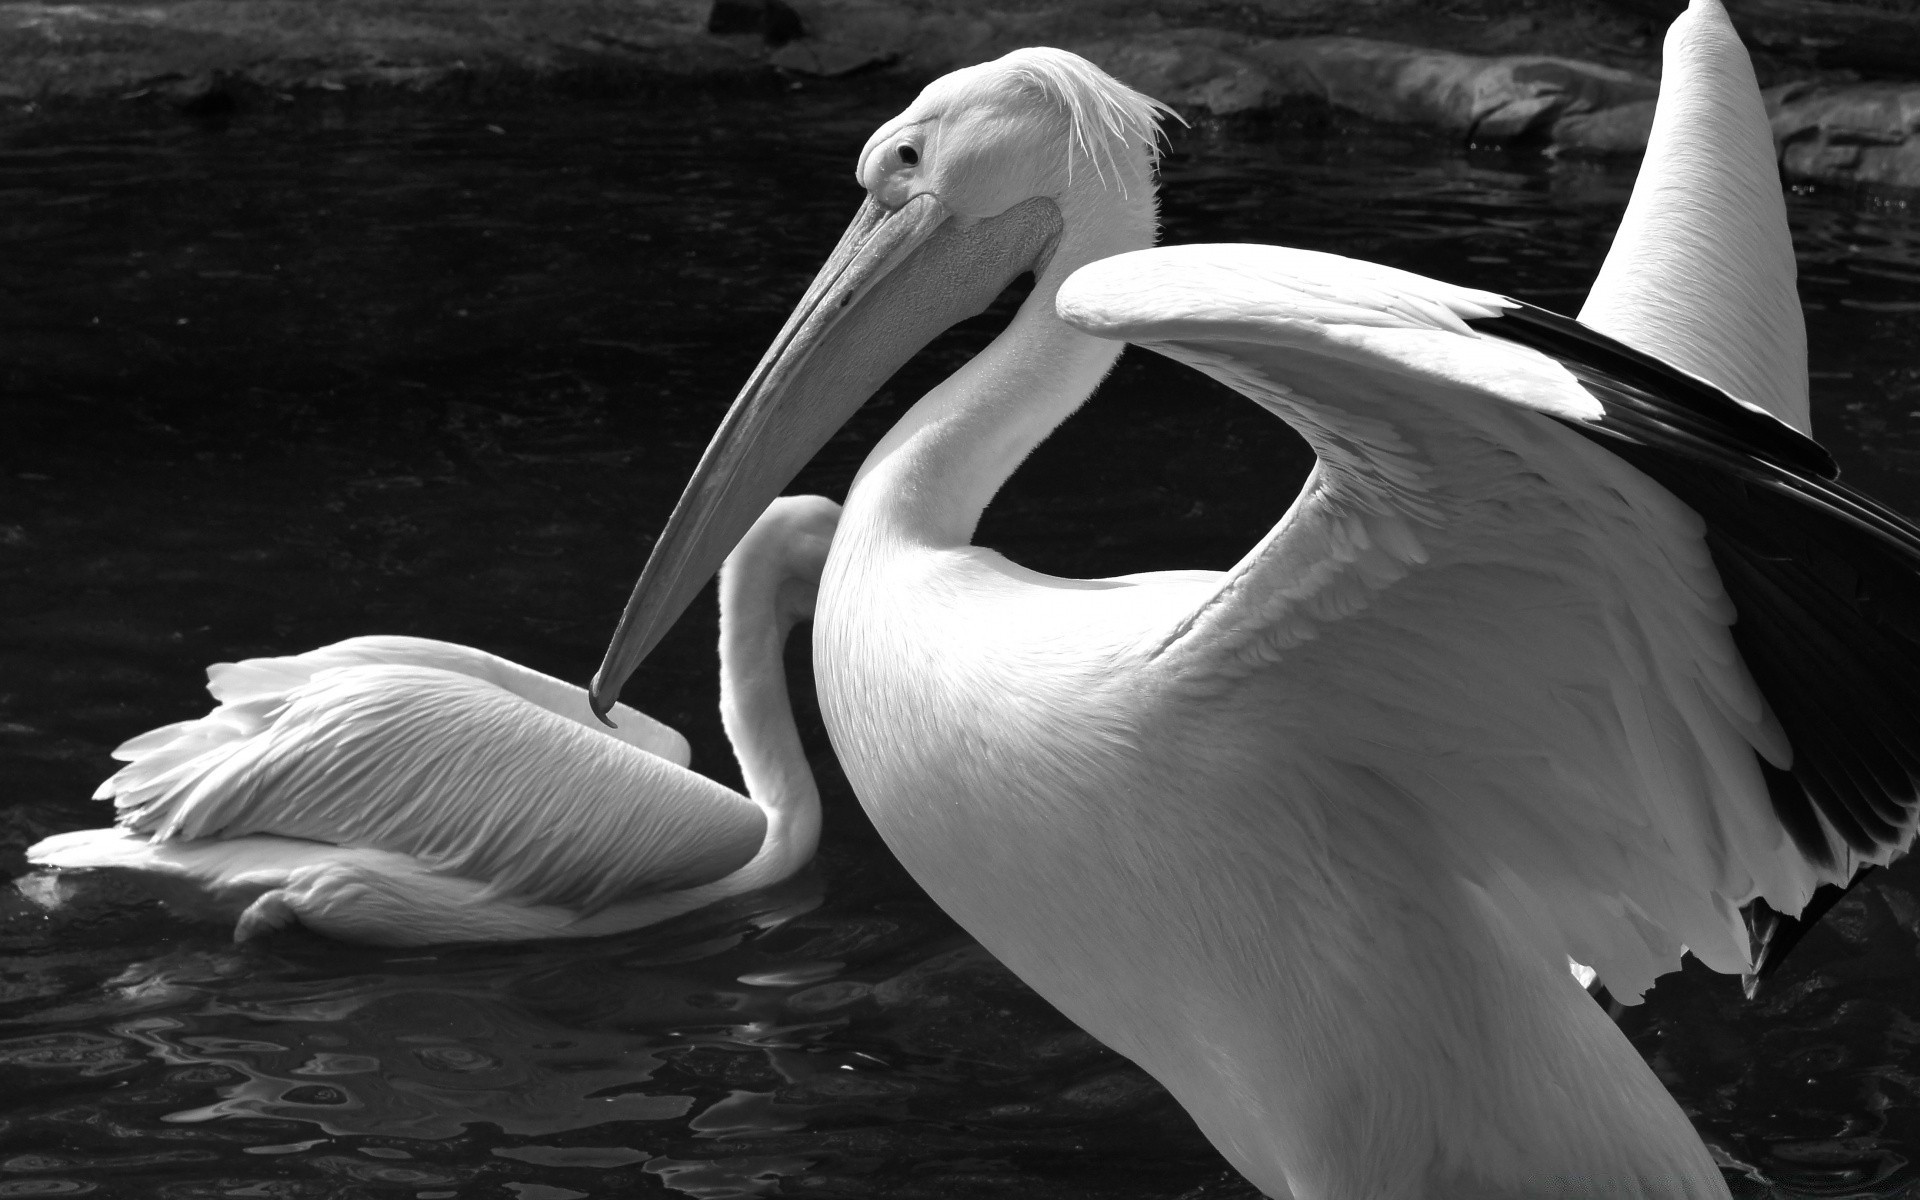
[136,748]
[152,788]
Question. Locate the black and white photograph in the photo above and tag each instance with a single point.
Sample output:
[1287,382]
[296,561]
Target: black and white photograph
[909,600]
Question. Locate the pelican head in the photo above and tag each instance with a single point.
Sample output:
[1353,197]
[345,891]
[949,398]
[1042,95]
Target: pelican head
[1037,161]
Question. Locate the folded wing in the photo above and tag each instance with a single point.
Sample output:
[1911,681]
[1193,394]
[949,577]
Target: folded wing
[465,776]
[237,682]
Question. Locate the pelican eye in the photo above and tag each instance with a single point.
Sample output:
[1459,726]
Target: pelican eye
[908,155]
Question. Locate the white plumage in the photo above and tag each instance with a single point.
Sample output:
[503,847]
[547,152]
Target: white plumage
[1521,636]
[1561,651]
[406,791]
[1701,271]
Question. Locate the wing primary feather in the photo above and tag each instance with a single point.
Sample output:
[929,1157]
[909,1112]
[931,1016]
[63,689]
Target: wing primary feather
[1782,643]
[1774,934]
[1826,585]
[1848,809]
[1853,653]
[1666,392]
[1823,580]
[1799,814]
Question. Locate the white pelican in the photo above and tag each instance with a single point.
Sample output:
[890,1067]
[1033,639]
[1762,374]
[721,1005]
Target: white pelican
[402,791]
[1312,840]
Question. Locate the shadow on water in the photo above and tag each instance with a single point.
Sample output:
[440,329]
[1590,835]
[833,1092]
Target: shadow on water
[339,369]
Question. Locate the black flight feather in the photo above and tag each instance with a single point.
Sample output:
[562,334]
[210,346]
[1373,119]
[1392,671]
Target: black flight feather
[1826,582]
[1654,393]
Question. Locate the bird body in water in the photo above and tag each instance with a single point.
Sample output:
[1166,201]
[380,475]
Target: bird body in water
[406,791]
[1561,652]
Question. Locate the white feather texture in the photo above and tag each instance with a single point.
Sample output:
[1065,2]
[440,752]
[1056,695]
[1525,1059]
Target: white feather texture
[1518,636]
[1702,271]
[1312,840]
[1104,116]
[405,791]
[459,774]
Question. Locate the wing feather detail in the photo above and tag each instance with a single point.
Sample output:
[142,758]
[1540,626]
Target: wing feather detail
[464,776]
[237,683]
[1568,602]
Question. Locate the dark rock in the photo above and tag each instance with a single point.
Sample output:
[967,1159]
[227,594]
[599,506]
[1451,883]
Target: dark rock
[1502,99]
[781,24]
[1860,133]
[206,56]
[1874,38]
[845,38]
[1851,133]
[1191,68]
[775,22]
[735,16]
[1622,129]
[922,37]
[71,49]
[1880,37]
[1499,99]
[829,59]
[215,103]
[1661,12]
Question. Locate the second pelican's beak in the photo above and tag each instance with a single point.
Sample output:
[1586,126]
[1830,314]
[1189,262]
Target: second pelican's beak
[895,281]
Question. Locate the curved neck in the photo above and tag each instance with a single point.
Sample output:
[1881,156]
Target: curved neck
[758,609]
[934,473]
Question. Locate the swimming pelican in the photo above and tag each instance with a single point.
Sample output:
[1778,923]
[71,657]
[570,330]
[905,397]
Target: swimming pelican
[1312,840]
[402,791]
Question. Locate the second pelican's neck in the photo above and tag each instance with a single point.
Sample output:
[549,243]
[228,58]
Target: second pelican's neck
[757,714]
[934,473]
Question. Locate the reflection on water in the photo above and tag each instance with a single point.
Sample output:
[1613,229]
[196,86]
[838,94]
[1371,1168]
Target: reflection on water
[411,369]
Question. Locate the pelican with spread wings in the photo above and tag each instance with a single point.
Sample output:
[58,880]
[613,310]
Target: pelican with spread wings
[1571,646]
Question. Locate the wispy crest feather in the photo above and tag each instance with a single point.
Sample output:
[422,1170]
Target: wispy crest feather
[1102,112]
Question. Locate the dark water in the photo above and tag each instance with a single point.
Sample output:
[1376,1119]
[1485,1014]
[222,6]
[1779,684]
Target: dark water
[333,370]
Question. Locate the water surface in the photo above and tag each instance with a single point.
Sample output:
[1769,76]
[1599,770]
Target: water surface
[342,367]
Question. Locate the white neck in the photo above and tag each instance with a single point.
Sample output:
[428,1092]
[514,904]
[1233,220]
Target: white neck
[760,604]
[934,473]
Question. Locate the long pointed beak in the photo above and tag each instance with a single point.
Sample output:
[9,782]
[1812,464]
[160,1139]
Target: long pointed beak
[896,280]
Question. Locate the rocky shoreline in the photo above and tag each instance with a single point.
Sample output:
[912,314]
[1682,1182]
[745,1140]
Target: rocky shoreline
[1578,76]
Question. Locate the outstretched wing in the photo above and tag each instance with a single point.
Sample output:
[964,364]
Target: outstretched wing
[1620,638]
[465,776]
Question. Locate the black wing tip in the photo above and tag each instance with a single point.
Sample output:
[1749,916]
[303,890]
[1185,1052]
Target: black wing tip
[1825,583]
[1737,423]
[1835,651]
[1772,934]
[1826,587]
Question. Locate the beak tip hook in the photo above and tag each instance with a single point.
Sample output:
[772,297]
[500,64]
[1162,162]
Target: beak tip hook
[598,701]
